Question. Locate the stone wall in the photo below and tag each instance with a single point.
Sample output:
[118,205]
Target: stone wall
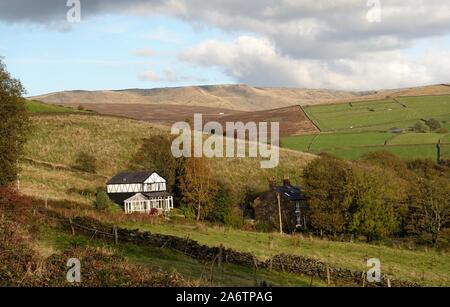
[284,263]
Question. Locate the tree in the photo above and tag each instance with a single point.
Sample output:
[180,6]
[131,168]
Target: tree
[155,154]
[102,200]
[431,207]
[434,124]
[86,162]
[378,192]
[197,186]
[387,160]
[328,187]
[221,208]
[14,125]
[421,127]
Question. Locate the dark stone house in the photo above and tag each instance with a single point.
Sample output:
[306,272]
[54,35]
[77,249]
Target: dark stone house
[292,203]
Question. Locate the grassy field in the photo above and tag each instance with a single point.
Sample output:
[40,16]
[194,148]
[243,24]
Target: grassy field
[353,129]
[381,115]
[354,145]
[426,267]
[54,241]
[59,138]
[34,106]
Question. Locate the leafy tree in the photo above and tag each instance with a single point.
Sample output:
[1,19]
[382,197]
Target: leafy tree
[328,187]
[197,186]
[431,207]
[102,201]
[377,195]
[86,162]
[421,127]
[387,160]
[428,168]
[434,124]
[155,154]
[221,208]
[14,125]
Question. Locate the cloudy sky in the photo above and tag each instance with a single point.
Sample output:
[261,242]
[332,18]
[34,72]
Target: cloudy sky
[342,44]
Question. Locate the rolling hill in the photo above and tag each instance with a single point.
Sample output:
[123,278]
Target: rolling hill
[231,97]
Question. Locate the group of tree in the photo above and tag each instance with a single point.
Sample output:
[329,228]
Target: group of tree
[378,196]
[191,180]
[14,125]
[431,124]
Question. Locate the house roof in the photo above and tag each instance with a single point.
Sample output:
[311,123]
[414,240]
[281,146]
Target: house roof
[290,192]
[130,177]
[137,197]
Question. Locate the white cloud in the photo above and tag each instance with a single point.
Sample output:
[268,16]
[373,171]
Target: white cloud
[309,43]
[257,61]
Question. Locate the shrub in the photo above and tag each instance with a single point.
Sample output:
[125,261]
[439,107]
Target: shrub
[421,127]
[442,130]
[86,162]
[221,208]
[102,201]
[433,124]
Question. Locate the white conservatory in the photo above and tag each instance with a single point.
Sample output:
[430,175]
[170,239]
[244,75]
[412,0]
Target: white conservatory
[143,192]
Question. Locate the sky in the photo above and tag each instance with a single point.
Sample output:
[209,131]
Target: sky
[56,45]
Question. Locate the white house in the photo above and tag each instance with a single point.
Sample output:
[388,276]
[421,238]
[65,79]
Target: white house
[140,192]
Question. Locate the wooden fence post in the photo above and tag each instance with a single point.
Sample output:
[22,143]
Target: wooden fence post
[116,236]
[220,256]
[328,276]
[71,226]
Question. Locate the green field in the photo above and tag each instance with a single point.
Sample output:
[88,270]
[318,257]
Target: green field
[381,115]
[426,267]
[34,106]
[168,260]
[354,145]
[350,130]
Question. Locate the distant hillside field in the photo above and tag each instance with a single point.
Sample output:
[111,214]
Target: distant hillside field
[237,97]
[231,97]
[353,129]
[34,106]
[381,115]
[58,139]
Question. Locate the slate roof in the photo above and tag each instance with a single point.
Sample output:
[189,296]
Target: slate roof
[130,177]
[290,192]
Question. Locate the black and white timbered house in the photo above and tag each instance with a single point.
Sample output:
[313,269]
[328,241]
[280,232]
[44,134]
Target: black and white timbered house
[143,192]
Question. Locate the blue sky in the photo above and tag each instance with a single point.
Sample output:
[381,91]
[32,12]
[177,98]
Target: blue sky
[100,54]
[348,44]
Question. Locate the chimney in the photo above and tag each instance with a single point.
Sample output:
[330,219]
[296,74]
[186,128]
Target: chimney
[286,181]
[272,183]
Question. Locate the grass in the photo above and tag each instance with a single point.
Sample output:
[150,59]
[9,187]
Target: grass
[353,129]
[426,267]
[379,115]
[54,241]
[34,106]
[353,145]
